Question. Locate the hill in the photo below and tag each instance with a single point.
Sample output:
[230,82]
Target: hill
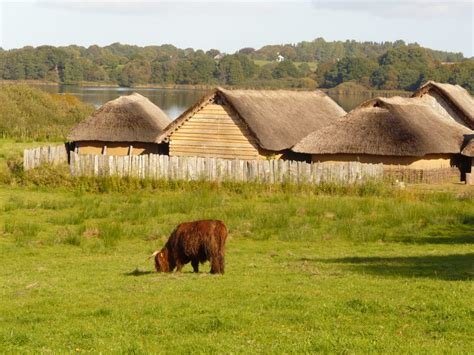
[387,65]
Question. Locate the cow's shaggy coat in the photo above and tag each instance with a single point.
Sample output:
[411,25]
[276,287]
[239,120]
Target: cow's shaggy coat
[194,242]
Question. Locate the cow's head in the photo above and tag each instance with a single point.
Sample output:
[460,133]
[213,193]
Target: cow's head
[161,261]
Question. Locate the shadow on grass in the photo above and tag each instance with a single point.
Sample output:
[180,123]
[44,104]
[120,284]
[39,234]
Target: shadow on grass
[137,272]
[455,267]
[464,238]
[458,233]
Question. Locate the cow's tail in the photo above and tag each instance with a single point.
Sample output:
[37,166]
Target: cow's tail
[153,255]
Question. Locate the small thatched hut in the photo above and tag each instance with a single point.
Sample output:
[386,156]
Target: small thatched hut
[128,125]
[452,102]
[392,131]
[468,151]
[249,124]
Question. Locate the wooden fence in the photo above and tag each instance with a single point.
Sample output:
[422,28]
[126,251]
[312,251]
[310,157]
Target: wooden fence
[154,166]
[32,158]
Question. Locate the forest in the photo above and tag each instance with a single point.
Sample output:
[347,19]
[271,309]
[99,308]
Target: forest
[387,66]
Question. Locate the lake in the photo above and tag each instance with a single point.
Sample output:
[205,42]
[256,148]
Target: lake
[172,101]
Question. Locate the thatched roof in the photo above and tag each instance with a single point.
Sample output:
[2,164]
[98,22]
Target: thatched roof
[456,96]
[277,118]
[387,126]
[469,148]
[131,118]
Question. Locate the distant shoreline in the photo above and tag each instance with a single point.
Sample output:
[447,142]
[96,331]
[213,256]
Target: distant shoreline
[344,90]
[111,85]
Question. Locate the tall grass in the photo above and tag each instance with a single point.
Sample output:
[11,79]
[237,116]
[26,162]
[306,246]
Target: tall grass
[22,232]
[256,212]
[30,113]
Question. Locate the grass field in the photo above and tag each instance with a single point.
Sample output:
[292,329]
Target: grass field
[305,272]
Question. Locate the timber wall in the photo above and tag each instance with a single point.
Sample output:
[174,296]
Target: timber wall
[118,148]
[215,131]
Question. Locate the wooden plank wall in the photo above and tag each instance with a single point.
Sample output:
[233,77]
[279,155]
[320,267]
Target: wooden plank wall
[35,157]
[163,167]
[214,131]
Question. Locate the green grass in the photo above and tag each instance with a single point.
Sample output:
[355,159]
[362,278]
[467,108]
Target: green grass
[306,271]
[11,151]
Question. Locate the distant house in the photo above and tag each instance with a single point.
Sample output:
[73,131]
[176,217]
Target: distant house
[451,101]
[280,58]
[397,132]
[219,56]
[128,125]
[249,124]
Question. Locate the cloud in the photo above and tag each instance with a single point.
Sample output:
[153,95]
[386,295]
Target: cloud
[378,8]
[153,7]
[400,9]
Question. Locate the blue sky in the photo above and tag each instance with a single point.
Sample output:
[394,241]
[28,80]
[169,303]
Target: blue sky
[230,25]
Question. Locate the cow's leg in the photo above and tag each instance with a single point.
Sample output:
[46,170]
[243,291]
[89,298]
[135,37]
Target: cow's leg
[215,266]
[221,263]
[195,264]
[179,267]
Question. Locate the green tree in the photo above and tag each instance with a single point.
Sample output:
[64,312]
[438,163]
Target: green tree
[286,69]
[350,69]
[265,74]
[230,71]
[203,69]
[136,72]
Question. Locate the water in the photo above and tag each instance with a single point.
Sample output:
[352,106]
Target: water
[172,101]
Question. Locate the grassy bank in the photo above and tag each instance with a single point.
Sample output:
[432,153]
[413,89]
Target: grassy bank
[305,272]
[29,113]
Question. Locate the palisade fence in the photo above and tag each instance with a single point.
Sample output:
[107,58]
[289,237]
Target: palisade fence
[164,167]
[214,169]
[33,158]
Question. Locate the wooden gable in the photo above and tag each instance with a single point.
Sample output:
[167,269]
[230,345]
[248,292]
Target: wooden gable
[215,130]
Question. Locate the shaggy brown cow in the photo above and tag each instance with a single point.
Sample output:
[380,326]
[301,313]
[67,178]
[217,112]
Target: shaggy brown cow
[194,242]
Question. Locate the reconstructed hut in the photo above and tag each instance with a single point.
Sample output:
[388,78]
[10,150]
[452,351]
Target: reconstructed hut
[392,131]
[250,124]
[128,125]
[452,102]
[468,152]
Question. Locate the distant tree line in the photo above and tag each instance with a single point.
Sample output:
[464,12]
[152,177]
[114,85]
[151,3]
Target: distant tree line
[403,68]
[387,65]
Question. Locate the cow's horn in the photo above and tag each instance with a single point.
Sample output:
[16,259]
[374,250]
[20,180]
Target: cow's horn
[154,254]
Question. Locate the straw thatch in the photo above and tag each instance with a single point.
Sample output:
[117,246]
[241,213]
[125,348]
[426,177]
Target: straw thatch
[457,98]
[392,127]
[469,148]
[131,118]
[277,118]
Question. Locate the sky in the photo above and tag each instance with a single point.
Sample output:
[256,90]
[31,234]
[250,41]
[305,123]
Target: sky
[231,25]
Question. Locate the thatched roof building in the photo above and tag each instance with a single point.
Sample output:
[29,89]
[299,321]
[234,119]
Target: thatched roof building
[451,101]
[392,131]
[468,153]
[468,150]
[249,124]
[131,120]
